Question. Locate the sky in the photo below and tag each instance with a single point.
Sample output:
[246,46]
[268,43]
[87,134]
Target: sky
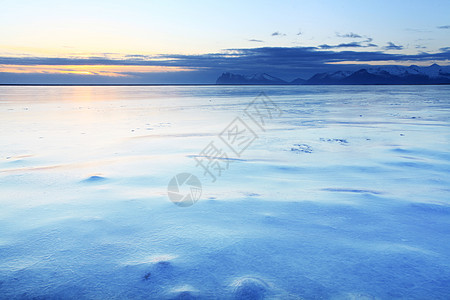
[137,41]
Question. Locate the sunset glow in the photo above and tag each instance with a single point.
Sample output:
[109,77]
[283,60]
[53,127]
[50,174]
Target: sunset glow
[103,70]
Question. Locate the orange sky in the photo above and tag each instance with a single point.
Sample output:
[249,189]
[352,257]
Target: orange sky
[104,70]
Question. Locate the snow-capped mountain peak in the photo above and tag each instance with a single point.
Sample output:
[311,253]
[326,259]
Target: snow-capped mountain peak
[433,74]
[258,78]
[261,76]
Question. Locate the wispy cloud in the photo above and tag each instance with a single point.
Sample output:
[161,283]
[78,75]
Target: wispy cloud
[256,41]
[349,35]
[392,46]
[361,44]
[444,27]
[348,45]
[343,45]
[277,33]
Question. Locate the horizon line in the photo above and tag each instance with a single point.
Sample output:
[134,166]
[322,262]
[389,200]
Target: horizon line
[201,84]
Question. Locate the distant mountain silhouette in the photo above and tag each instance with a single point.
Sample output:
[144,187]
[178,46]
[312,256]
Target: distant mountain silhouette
[433,74]
[328,78]
[259,78]
[298,81]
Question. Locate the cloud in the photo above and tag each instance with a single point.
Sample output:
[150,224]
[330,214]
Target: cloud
[284,62]
[444,27]
[263,56]
[361,44]
[299,33]
[347,45]
[344,45]
[256,41]
[420,47]
[392,46]
[277,33]
[349,35]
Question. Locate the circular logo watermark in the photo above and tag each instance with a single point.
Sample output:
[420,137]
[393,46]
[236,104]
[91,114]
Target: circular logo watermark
[184,189]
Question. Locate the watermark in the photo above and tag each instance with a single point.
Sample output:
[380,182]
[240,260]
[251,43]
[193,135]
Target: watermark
[238,136]
[214,160]
[184,189]
[262,108]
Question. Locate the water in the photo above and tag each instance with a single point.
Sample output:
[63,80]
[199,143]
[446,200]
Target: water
[345,195]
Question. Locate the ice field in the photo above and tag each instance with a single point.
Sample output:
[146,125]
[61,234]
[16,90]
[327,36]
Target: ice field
[342,194]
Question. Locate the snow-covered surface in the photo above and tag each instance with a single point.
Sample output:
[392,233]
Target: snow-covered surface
[344,196]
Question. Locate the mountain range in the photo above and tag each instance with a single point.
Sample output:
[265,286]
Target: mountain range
[433,74]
